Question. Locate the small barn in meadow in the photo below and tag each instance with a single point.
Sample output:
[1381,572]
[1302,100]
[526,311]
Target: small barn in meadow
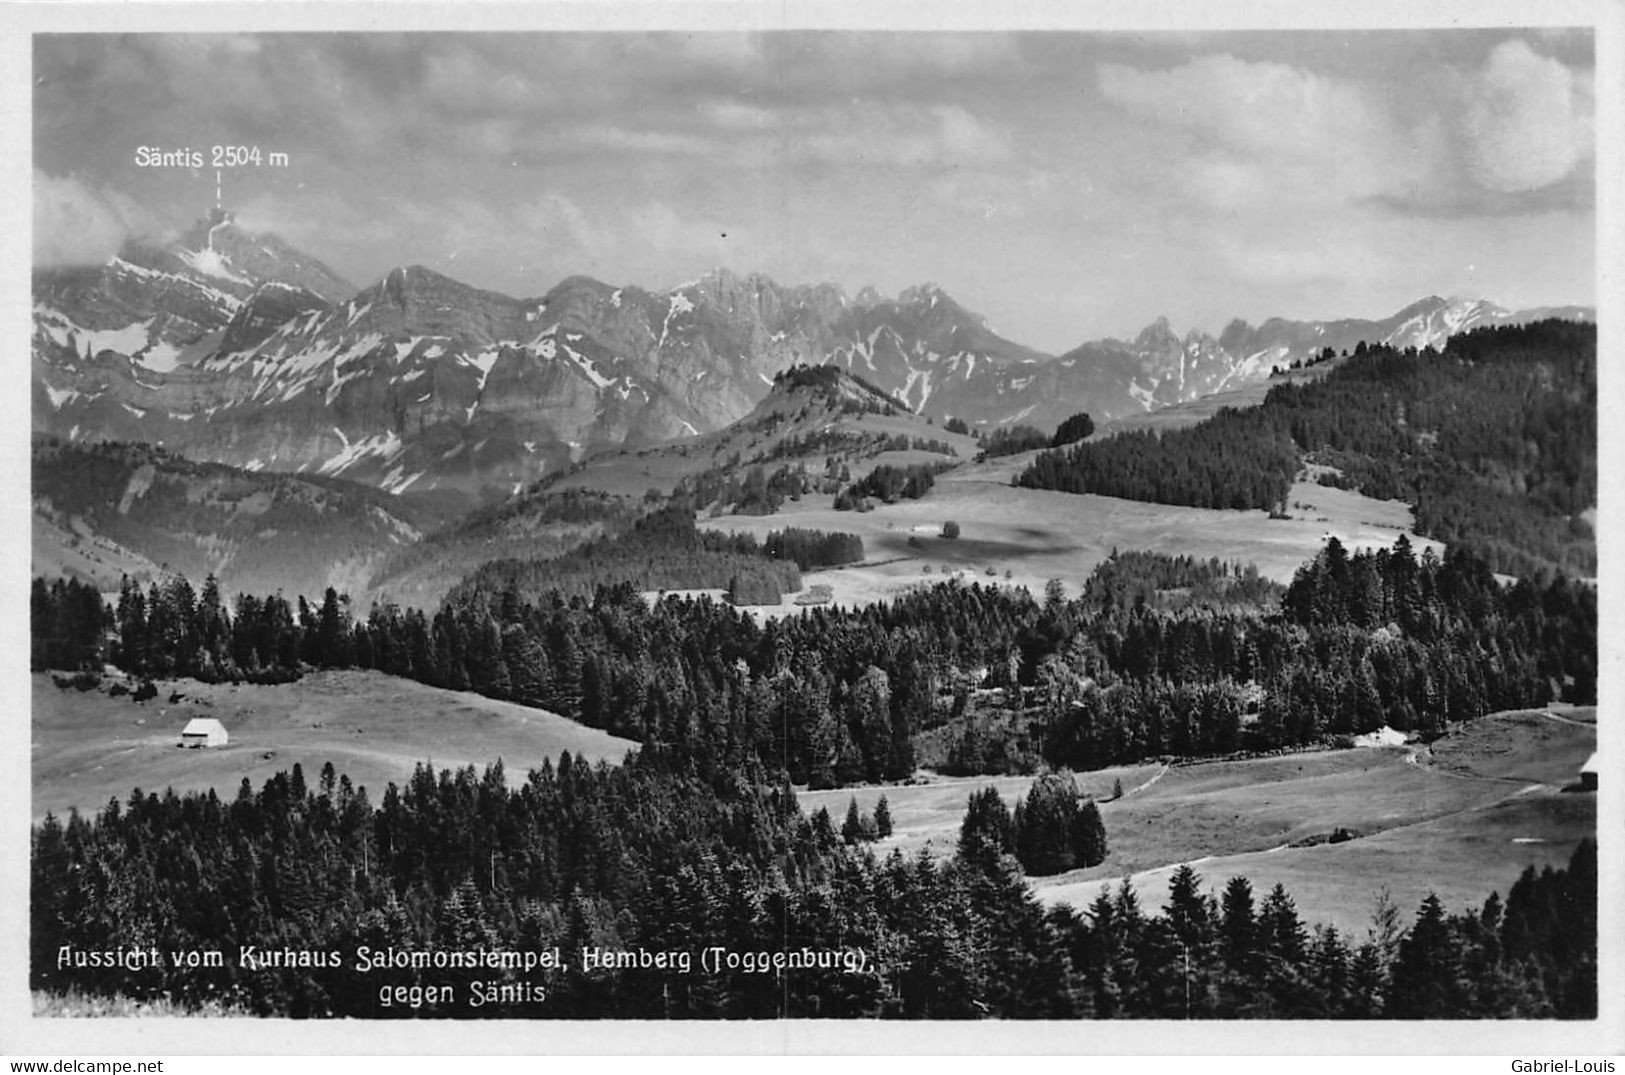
[1588,774]
[203,732]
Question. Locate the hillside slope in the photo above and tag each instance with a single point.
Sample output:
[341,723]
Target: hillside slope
[104,510]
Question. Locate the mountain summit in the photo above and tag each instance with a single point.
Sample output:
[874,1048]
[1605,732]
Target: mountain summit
[163,303]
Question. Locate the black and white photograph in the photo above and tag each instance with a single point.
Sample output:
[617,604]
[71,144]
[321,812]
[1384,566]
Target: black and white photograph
[738,515]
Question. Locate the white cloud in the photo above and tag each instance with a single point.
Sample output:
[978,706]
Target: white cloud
[731,115]
[462,80]
[1527,120]
[908,136]
[559,222]
[1337,255]
[76,223]
[1261,136]
[996,194]
[661,228]
[621,139]
[1261,107]
[896,135]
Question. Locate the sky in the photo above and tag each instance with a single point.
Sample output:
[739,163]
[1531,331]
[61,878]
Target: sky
[1065,185]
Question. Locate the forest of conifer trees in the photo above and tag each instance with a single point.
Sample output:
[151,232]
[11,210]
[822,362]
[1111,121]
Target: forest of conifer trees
[838,696]
[315,892]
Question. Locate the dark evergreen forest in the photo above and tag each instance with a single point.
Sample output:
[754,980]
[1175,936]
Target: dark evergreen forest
[836,697]
[671,852]
[1012,440]
[663,550]
[1493,441]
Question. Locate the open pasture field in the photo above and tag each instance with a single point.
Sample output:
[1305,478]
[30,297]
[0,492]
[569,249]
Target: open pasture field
[1462,820]
[1036,535]
[929,814]
[631,472]
[89,747]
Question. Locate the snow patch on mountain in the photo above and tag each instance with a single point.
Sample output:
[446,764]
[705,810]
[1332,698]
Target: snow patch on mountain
[213,263]
[342,379]
[483,362]
[359,349]
[923,379]
[132,338]
[377,445]
[393,482]
[679,305]
[161,357]
[59,396]
[1142,395]
[587,368]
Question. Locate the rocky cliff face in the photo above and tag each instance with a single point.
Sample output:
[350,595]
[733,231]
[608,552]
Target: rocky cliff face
[235,348]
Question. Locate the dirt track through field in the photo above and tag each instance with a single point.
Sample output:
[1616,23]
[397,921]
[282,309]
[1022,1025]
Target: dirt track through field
[1160,773]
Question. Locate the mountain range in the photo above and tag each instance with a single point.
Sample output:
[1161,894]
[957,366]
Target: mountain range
[233,347]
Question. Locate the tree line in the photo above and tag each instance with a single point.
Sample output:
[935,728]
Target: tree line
[1229,461]
[663,550]
[809,549]
[1016,438]
[887,484]
[1053,828]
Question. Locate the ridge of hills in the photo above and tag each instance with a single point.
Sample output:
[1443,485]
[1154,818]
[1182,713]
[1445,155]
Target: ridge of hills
[101,511]
[816,422]
[108,508]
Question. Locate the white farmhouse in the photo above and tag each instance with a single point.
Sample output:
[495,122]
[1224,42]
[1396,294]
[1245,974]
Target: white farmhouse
[203,732]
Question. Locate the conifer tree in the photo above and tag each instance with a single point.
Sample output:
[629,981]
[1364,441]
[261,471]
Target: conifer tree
[883,822]
[852,827]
